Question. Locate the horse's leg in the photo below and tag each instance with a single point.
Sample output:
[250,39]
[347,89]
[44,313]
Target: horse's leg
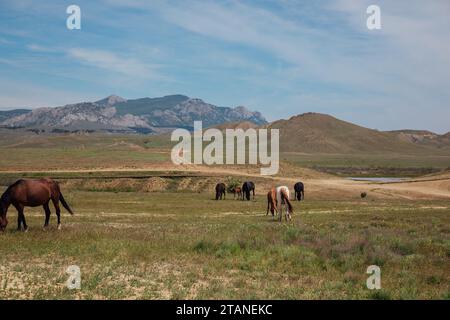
[21,218]
[58,212]
[280,210]
[47,215]
[19,221]
[253,193]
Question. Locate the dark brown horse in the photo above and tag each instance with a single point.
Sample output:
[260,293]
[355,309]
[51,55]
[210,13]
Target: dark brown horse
[247,187]
[299,189]
[220,191]
[31,193]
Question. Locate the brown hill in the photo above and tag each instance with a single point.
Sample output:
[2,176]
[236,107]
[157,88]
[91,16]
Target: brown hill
[424,138]
[321,133]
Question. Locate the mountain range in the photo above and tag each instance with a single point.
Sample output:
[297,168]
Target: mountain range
[308,132]
[116,114]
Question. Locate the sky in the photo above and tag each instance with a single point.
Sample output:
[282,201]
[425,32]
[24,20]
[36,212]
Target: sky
[280,57]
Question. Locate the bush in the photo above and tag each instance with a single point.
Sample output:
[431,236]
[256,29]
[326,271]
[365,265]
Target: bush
[232,183]
[203,246]
[380,295]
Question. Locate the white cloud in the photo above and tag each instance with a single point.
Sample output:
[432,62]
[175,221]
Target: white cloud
[16,94]
[406,65]
[112,62]
[38,48]
[304,56]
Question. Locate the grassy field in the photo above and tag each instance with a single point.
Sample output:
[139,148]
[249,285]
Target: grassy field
[186,245]
[142,230]
[371,165]
[27,151]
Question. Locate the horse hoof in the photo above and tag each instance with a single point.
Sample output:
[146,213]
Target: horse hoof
[59,226]
[26,230]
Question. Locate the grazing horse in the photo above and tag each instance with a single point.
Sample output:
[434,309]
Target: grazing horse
[237,191]
[247,187]
[299,191]
[31,193]
[220,191]
[282,193]
[272,202]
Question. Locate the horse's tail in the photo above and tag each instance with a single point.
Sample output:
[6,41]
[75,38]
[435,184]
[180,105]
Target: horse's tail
[64,203]
[285,197]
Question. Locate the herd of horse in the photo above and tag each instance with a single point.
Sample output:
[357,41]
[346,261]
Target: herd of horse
[34,193]
[277,198]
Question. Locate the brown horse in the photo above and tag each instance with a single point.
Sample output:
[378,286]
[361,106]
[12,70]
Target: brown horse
[237,191]
[31,193]
[272,202]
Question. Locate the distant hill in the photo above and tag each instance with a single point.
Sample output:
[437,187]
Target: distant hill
[4,115]
[321,133]
[144,115]
[424,138]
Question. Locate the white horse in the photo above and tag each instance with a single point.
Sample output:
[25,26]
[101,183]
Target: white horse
[283,200]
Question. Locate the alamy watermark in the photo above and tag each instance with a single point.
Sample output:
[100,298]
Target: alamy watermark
[374,280]
[73,21]
[231,150]
[74,280]
[373,21]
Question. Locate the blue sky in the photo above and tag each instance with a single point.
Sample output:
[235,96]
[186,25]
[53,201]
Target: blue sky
[281,57]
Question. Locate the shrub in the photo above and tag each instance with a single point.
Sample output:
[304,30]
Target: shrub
[232,183]
[380,295]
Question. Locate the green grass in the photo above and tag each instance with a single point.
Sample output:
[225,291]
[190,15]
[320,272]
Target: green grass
[186,245]
[371,165]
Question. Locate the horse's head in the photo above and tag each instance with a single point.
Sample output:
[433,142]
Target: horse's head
[4,204]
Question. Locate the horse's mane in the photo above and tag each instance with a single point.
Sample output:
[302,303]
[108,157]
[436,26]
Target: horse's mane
[5,196]
[4,199]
